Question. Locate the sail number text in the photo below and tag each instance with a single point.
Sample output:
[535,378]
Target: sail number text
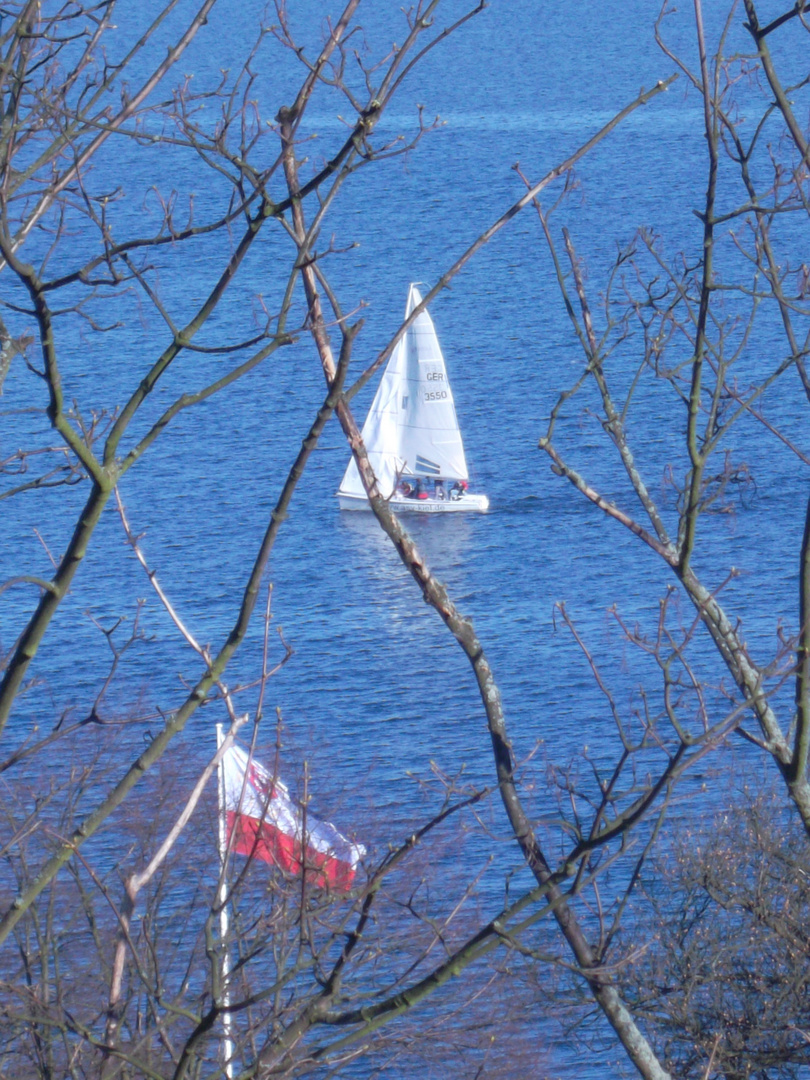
[435,394]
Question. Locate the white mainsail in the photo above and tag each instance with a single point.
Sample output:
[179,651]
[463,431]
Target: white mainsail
[411,428]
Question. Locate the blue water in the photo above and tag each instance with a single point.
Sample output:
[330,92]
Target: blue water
[377,696]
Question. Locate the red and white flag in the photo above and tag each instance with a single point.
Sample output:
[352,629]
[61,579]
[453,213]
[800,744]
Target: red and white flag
[265,823]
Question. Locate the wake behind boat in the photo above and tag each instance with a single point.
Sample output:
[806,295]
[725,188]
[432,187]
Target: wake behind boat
[411,432]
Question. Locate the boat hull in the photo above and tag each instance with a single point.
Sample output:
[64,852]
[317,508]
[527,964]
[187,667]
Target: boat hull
[467,503]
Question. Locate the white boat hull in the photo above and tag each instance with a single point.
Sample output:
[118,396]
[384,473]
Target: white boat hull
[468,502]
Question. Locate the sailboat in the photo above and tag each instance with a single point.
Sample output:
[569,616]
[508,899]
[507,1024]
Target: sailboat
[411,432]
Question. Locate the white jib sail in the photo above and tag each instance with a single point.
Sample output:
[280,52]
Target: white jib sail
[411,428]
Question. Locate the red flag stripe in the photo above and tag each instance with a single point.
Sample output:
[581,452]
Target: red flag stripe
[260,840]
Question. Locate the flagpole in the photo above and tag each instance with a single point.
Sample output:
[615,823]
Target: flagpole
[222,901]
